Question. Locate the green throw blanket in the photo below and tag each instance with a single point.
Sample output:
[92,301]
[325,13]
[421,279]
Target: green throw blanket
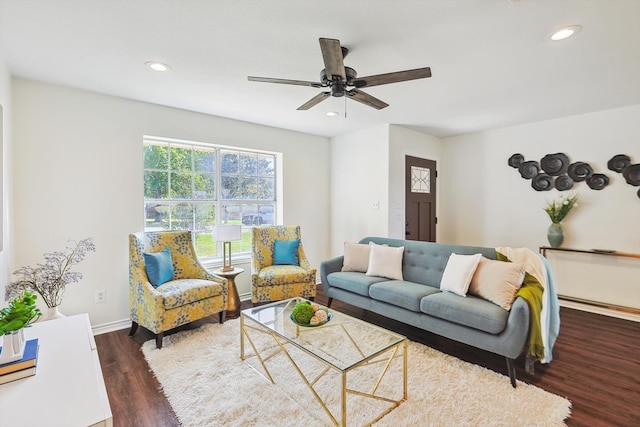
[531,290]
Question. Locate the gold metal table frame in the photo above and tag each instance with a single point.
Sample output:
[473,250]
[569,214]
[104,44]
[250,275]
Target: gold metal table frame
[273,320]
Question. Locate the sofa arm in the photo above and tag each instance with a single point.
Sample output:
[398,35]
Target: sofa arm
[518,324]
[327,267]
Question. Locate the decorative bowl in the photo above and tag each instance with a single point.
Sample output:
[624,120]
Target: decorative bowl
[308,325]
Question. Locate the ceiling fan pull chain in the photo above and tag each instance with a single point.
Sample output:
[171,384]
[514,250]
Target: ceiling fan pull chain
[345,107]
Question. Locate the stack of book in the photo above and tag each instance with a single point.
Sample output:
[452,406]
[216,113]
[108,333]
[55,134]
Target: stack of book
[22,368]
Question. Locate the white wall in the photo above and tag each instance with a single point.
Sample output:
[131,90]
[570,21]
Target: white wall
[359,177]
[486,202]
[406,142]
[78,173]
[5,168]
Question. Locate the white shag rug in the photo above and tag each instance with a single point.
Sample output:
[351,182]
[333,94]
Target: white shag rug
[208,385]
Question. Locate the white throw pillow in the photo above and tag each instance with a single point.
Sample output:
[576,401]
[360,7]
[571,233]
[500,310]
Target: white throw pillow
[356,257]
[458,273]
[497,281]
[385,261]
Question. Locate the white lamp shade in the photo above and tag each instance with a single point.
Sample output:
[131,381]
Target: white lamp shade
[227,233]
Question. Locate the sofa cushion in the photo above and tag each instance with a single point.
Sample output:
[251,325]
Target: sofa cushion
[424,262]
[497,281]
[356,257]
[177,293]
[458,273]
[401,293]
[353,282]
[282,275]
[385,261]
[472,311]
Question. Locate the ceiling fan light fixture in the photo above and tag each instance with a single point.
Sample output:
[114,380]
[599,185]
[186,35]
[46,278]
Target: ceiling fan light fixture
[565,32]
[157,66]
[332,113]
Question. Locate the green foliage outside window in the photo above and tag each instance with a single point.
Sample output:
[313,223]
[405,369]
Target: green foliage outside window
[181,191]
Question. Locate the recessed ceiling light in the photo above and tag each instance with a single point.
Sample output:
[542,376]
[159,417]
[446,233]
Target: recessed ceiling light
[158,66]
[565,32]
[332,113]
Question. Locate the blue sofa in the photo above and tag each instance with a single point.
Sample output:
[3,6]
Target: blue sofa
[418,301]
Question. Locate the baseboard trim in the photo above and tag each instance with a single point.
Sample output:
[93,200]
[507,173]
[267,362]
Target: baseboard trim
[111,326]
[600,310]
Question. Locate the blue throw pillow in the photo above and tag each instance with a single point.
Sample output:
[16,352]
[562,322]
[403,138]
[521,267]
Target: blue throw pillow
[159,267]
[285,252]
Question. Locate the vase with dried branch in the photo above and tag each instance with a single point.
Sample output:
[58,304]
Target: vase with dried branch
[49,279]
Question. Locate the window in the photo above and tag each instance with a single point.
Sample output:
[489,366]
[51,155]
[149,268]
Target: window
[191,186]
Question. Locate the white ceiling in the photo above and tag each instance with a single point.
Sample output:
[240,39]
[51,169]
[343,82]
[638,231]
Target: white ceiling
[491,64]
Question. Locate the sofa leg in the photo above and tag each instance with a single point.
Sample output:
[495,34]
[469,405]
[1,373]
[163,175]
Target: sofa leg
[511,367]
[159,340]
[134,328]
[223,316]
[329,302]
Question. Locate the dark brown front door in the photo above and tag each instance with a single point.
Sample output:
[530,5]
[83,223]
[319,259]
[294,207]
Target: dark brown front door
[420,199]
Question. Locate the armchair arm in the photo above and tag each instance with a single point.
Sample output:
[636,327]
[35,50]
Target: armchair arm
[304,262]
[145,302]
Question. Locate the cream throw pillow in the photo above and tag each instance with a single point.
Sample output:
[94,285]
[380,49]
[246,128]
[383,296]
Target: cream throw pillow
[458,273]
[356,257]
[497,281]
[385,261]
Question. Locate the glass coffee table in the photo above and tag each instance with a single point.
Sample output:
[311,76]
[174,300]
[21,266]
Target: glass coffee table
[343,344]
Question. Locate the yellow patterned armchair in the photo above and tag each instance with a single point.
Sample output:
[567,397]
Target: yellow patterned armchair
[191,293]
[271,282]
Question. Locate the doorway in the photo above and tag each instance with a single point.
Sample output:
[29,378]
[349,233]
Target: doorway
[420,199]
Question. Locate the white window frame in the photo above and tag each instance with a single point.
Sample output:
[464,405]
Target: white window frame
[245,254]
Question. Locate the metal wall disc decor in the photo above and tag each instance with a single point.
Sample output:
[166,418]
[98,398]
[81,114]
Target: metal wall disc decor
[632,174]
[563,183]
[555,164]
[579,171]
[618,162]
[515,160]
[528,169]
[597,181]
[542,182]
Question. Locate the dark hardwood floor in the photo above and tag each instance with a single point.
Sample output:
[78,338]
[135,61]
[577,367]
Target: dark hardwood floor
[596,365]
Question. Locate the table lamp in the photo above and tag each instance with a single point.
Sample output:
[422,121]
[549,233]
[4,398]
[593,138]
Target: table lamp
[227,234]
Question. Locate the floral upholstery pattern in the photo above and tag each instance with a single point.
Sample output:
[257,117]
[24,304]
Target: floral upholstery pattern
[277,282]
[193,293]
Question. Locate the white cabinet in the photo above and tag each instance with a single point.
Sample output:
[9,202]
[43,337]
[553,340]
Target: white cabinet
[68,388]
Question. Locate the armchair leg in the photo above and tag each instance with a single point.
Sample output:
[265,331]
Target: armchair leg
[329,302]
[223,316]
[159,340]
[134,328]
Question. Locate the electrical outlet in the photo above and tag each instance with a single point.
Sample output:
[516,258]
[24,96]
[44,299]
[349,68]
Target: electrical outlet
[101,296]
[375,205]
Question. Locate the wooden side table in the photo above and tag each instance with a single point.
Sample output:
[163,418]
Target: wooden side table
[233,299]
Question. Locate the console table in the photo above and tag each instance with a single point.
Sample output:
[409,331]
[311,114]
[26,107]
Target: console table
[68,387]
[599,252]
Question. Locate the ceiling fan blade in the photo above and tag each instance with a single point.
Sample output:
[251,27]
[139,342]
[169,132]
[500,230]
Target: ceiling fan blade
[333,58]
[400,76]
[366,99]
[315,100]
[284,81]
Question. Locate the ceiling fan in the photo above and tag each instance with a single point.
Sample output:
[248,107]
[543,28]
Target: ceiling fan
[339,78]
